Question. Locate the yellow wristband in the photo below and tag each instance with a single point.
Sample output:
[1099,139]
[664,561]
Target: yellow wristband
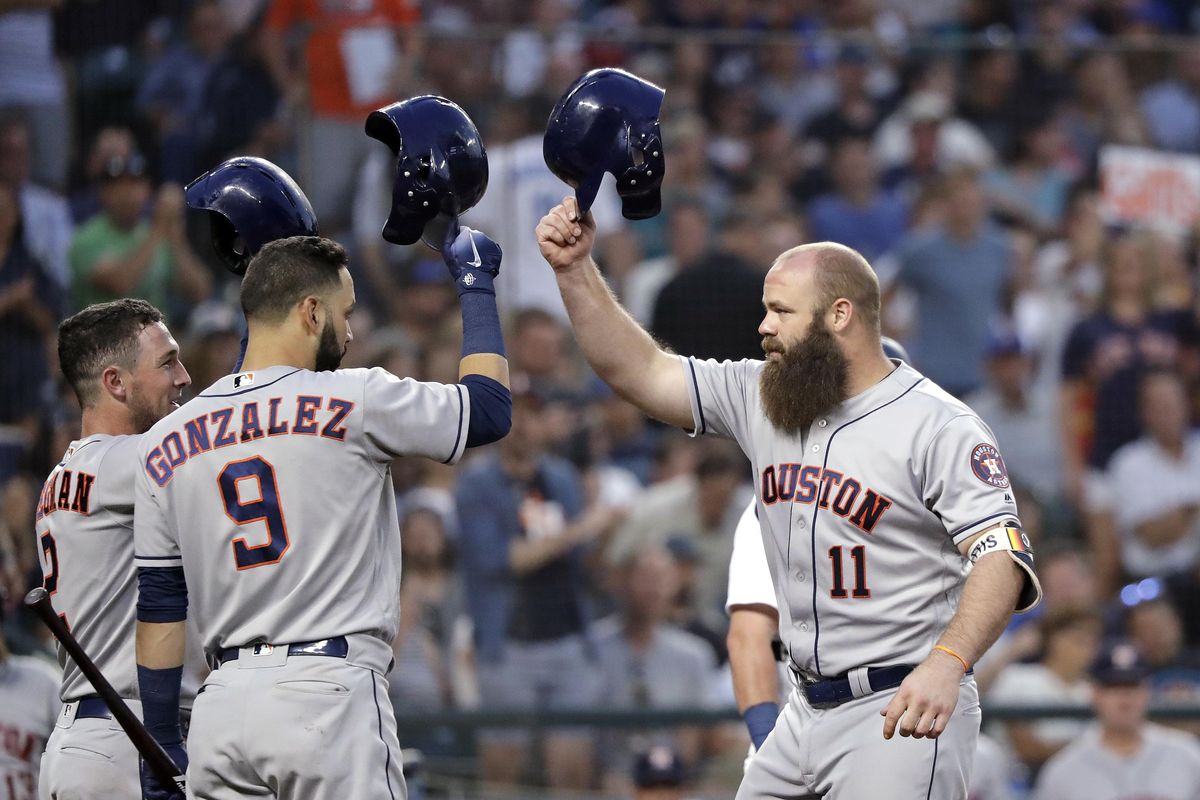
[966,667]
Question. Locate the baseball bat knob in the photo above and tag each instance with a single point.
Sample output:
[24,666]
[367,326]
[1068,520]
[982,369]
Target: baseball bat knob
[35,596]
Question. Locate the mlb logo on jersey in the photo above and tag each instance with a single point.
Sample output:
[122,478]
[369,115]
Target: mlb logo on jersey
[243,380]
[988,466]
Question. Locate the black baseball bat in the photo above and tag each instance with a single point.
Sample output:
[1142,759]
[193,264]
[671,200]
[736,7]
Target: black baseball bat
[156,757]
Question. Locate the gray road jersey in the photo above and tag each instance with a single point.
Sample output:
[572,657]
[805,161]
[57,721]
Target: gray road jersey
[84,526]
[862,514]
[273,490]
[1166,768]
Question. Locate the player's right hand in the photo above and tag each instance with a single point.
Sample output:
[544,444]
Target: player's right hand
[563,237]
[151,788]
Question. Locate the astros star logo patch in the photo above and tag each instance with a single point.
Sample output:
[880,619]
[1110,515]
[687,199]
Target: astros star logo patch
[988,466]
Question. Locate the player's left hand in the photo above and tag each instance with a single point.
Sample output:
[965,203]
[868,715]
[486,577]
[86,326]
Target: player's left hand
[922,706]
[472,258]
[152,789]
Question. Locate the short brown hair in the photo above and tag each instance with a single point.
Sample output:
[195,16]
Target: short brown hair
[286,271]
[100,336]
[842,272]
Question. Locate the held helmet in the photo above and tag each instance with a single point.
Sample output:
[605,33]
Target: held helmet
[441,166]
[250,202]
[607,121]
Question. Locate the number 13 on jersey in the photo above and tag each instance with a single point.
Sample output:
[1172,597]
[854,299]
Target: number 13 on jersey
[264,508]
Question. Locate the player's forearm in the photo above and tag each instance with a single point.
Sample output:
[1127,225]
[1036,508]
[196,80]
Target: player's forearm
[489,365]
[617,348]
[160,676]
[988,599]
[755,672]
[160,644]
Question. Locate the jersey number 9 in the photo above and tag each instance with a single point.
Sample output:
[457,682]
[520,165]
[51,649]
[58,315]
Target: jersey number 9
[264,508]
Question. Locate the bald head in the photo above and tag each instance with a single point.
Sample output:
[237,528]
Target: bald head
[837,272]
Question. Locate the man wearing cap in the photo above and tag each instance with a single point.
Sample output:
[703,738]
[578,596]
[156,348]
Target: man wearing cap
[118,253]
[1123,757]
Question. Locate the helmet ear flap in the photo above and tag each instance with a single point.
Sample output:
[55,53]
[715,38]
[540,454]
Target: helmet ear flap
[250,202]
[227,244]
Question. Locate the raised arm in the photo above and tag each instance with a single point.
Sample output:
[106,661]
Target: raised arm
[624,355]
[474,261]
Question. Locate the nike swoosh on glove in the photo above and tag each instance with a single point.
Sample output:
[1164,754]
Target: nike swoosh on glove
[472,258]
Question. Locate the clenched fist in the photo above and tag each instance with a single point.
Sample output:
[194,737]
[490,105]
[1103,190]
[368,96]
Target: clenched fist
[563,237]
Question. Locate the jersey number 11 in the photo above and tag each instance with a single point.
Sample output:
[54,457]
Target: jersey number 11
[858,554]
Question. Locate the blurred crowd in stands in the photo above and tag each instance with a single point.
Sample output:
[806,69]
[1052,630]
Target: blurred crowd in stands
[582,561]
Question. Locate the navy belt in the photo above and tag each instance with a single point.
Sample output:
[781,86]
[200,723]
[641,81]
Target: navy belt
[337,647]
[835,691]
[92,707]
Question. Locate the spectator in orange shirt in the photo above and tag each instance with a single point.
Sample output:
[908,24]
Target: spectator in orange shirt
[356,56]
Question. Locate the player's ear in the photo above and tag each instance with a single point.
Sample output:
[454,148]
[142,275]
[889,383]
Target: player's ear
[311,311]
[113,383]
[840,314]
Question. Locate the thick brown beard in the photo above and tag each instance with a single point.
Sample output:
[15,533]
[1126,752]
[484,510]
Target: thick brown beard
[807,381]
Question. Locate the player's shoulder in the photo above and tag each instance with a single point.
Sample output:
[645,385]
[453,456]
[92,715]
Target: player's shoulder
[928,401]
[90,453]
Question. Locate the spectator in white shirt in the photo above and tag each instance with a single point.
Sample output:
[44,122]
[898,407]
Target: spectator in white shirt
[1150,492]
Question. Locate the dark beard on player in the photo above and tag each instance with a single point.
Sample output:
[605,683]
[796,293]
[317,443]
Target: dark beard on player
[329,353]
[808,380]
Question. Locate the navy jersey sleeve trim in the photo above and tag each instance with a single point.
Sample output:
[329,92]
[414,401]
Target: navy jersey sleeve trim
[982,520]
[699,401]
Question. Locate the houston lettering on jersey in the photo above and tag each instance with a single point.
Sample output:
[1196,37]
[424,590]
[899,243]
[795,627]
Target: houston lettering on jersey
[66,491]
[797,483]
[306,415]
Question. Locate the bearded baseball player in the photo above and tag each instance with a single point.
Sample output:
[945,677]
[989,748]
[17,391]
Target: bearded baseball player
[268,501]
[124,367]
[892,536]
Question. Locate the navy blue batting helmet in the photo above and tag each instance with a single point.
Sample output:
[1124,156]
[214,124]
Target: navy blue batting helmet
[608,122]
[893,349]
[441,166]
[250,202]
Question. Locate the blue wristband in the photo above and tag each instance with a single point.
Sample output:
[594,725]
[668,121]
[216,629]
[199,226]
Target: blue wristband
[159,689]
[481,324]
[760,721]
